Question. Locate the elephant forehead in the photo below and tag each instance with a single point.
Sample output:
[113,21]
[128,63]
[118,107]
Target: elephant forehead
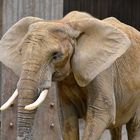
[46,25]
[37,25]
[37,46]
[41,38]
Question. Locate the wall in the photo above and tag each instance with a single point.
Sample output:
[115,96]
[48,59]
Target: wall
[125,10]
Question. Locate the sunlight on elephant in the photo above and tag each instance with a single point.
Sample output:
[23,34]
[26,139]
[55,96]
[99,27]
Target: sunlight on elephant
[96,64]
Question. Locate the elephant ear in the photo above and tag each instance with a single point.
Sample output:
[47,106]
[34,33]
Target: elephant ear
[75,15]
[9,44]
[99,44]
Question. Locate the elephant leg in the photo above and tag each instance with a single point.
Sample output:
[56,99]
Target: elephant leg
[116,133]
[94,128]
[101,107]
[70,122]
[133,127]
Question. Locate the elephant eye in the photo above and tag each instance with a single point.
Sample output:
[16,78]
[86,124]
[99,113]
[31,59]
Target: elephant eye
[56,55]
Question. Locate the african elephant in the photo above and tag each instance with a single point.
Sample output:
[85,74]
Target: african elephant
[96,64]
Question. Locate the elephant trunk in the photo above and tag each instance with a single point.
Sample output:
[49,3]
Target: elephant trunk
[27,88]
[25,118]
[27,93]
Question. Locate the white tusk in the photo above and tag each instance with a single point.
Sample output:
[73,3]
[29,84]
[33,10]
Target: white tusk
[40,100]
[10,101]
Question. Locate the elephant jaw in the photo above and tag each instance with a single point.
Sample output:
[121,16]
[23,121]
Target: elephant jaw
[32,106]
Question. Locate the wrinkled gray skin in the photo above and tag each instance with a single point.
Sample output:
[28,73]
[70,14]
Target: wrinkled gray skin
[96,64]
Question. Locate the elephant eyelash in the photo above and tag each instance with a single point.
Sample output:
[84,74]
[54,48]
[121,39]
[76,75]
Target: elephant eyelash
[56,55]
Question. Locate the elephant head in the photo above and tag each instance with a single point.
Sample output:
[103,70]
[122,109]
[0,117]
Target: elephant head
[40,51]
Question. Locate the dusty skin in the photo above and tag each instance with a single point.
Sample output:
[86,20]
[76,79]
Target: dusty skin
[96,64]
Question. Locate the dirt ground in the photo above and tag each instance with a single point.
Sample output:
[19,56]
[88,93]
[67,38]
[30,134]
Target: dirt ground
[106,135]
